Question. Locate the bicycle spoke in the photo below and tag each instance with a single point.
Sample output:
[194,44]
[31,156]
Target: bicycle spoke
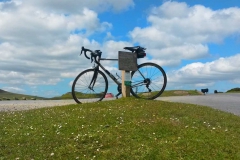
[149,81]
[83,91]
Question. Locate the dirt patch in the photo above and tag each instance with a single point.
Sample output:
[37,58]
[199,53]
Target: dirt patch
[181,92]
[147,94]
[200,93]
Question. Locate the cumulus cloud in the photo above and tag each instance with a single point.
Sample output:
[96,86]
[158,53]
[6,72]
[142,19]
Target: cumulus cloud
[33,26]
[205,74]
[197,23]
[179,31]
[73,6]
[14,89]
[111,48]
[39,46]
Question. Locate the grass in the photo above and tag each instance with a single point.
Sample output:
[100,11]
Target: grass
[13,96]
[234,90]
[80,95]
[180,93]
[164,94]
[126,128]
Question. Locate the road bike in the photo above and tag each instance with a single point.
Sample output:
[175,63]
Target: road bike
[91,85]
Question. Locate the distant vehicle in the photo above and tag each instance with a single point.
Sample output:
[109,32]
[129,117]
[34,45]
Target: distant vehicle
[204,91]
[109,95]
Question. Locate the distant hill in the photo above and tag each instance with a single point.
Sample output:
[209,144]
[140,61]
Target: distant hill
[234,90]
[2,91]
[5,95]
[67,95]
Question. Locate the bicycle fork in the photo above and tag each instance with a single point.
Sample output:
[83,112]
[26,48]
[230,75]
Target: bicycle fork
[93,81]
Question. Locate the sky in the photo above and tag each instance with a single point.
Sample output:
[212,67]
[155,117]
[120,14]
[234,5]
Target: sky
[195,41]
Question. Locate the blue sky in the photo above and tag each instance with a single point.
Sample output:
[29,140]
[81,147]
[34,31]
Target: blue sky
[196,42]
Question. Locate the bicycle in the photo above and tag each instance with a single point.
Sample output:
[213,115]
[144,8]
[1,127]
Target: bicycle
[148,82]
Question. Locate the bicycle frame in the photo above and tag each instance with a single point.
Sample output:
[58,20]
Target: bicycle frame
[109,74]
[105,70]
[96,69]
[142,84]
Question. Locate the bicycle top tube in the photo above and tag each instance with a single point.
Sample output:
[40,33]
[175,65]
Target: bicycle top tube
[96,55]
[108,59]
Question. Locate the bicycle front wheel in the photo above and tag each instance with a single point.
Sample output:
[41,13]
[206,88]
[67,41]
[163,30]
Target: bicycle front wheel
[149,81]
[89,86]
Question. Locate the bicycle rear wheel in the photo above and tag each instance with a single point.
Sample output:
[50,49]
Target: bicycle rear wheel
[89,87]
[149,81]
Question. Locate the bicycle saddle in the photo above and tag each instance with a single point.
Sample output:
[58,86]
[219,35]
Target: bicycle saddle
[131,48]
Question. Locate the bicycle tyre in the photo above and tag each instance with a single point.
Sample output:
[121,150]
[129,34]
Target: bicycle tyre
[81,92]
[155,78]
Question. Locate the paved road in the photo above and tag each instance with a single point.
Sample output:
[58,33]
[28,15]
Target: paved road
[229,102]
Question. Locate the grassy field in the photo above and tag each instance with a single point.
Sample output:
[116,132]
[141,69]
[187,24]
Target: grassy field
[126,128]
[234,90]
[13,96]
[165,93]
[180,93]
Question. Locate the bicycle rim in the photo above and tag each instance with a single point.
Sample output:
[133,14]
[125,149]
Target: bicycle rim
[84,92]
[149,81]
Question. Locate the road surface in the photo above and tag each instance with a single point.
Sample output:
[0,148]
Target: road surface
[229,102]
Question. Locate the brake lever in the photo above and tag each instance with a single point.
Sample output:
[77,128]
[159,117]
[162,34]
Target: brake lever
[91,58]
[81,51]
[85,53]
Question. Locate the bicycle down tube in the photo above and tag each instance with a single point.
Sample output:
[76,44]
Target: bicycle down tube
[107,72]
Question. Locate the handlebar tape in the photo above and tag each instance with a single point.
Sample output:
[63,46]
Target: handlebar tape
[85,52]
[93,54]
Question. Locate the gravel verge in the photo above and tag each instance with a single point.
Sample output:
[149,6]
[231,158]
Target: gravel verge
[20,105]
